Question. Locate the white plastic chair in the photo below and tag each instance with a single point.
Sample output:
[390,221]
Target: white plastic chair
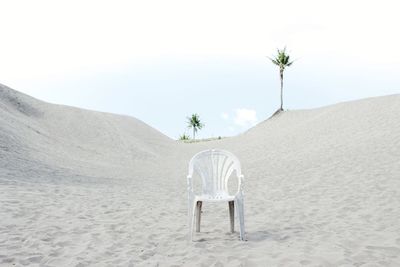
[215,167]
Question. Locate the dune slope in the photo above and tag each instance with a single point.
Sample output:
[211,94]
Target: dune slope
[37,137]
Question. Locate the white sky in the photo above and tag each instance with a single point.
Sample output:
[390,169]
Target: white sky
[96,54]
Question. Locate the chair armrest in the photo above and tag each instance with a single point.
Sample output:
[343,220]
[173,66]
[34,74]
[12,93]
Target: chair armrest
[190,184]
[240,184]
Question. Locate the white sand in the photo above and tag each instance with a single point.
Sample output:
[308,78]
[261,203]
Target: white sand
[80,188]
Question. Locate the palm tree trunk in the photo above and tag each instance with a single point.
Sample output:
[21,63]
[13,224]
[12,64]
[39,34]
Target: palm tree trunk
[194,133]
[281,72]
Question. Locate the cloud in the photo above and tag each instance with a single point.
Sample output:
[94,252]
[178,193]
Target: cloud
[245,117]
[224,115]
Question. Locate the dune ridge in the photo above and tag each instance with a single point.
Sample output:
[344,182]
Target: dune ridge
[80,188]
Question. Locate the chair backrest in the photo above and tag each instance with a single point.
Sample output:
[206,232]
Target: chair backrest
[215,167]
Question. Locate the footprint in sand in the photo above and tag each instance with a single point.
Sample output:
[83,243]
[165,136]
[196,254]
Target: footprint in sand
[392,251]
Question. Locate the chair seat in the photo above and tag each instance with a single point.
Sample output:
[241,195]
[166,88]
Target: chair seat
[217,198]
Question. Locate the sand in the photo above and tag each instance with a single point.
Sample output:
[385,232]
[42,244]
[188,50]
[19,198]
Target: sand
[85,188]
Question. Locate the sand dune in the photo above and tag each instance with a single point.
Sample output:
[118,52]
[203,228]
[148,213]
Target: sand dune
[81,188]
[68,140]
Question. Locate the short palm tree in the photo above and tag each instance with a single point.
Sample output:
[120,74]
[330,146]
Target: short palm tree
[184,137]
[282,60]
[194,123]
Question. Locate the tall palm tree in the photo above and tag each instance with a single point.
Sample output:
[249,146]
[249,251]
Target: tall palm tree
[194,123]
[282,60]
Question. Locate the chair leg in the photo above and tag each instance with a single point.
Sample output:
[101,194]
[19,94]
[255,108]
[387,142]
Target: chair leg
[191,215]
[240,209]
[232,215]
[198,215]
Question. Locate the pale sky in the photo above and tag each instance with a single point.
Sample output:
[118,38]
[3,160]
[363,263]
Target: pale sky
[161,61]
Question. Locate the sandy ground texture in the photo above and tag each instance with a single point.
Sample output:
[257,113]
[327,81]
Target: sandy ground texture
[85,188]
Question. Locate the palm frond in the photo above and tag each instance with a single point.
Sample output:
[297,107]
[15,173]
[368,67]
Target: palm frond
[281,59]
[194,122]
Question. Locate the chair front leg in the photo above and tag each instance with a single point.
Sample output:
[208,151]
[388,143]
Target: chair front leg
[191,215]
[240,210]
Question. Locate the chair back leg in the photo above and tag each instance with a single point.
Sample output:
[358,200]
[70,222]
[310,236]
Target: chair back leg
[232,215]
[198,215]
